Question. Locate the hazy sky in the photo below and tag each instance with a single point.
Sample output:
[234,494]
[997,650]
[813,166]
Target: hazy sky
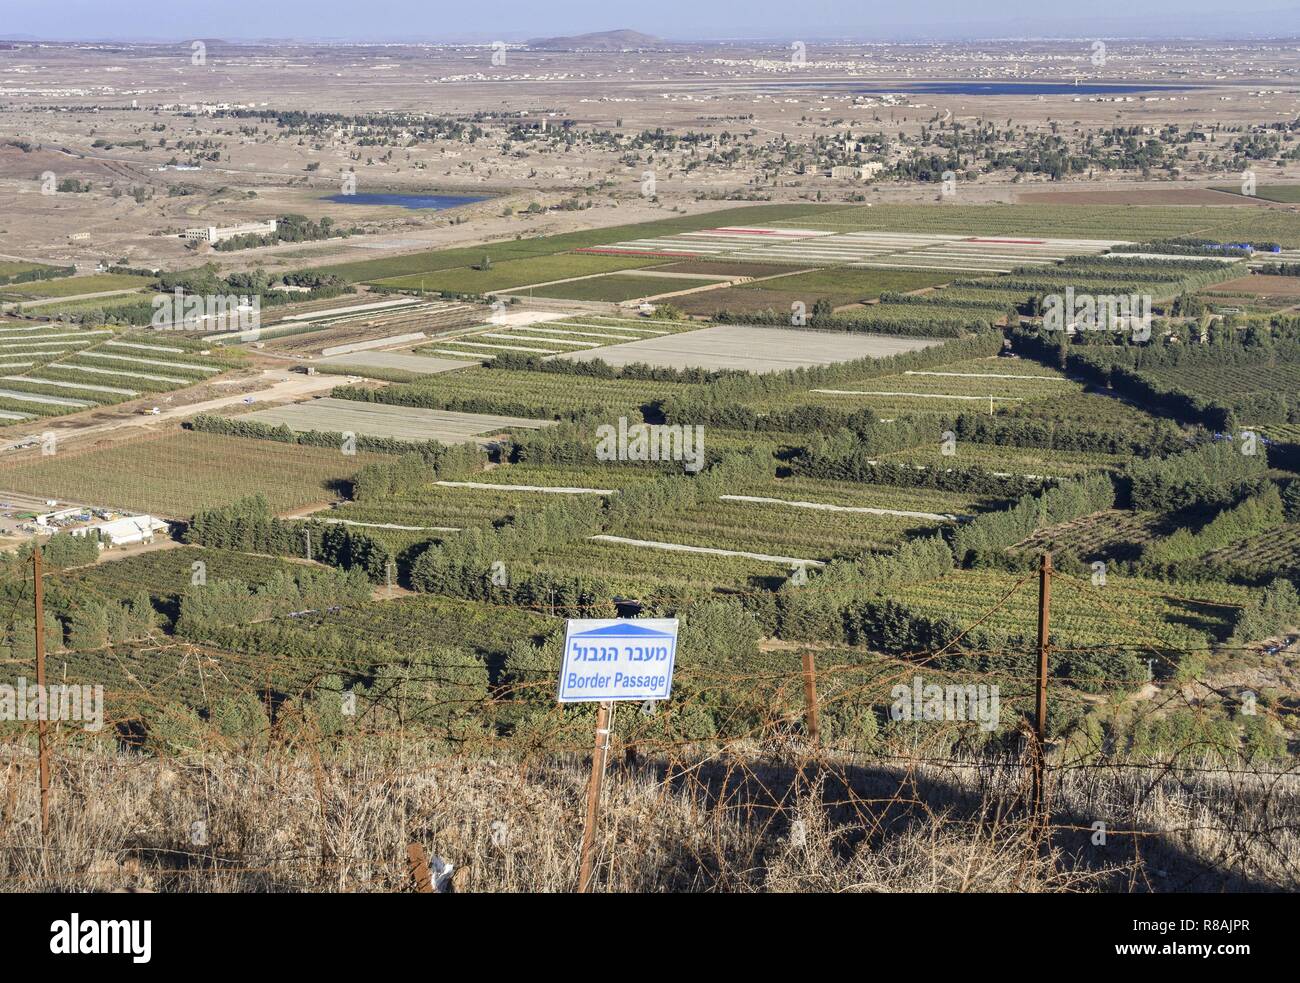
[433,20]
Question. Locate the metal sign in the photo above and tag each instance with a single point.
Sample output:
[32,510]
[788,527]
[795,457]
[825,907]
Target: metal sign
[618,659]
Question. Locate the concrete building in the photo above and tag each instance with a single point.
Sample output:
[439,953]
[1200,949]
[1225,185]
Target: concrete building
[214,234]
[858,172]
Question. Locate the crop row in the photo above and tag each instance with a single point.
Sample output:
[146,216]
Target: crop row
[522,393]
[1124,612]
[1138,224]
[1014,460]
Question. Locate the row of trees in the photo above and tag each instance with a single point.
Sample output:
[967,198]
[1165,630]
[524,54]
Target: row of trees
[1249,517]
[861,466]
[912,323]
[40,273]
[1211,475]
[220,603]
[993,532]
[248,526]
[1140,438]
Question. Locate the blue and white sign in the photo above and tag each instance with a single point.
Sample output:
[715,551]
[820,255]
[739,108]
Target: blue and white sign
[618,659]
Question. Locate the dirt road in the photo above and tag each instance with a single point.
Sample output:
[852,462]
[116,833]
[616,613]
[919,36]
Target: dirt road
[279,385]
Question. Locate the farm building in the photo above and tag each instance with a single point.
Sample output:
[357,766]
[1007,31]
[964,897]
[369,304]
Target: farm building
[126,531]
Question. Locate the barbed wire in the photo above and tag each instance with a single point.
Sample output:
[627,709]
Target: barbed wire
[758,722]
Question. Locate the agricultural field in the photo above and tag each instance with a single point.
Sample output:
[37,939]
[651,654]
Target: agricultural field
[1285,288]
[74,286]
[9,268]
[1160,277]
[1287,193]
[842,286]
[1232,384]
[859,495]
[1276,550]
[87,309]
[311,333]
[490,497]
[513,392]
[1114,534]
[430,621]
[139,675]
[55,369]
[754,349]
[1032,462]
[728,270]
[1285,432]
[970,386]
[167,574]
[498,252]
[613,289]
[639,571]
[438,511]
[553,336]
[849,285]
[776,528]
[392,366]
[1090,407]
[810,244]
[1145,616]
[612,475]
[512,273]
[331,415]
[1115,222]
[173,474]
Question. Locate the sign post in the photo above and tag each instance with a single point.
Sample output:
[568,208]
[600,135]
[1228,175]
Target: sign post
[608,659]
[599,759]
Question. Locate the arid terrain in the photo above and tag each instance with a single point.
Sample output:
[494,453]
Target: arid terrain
[545,126]
[341,383]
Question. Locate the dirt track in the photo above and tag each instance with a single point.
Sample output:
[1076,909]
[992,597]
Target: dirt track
[280,385]
[1141,196]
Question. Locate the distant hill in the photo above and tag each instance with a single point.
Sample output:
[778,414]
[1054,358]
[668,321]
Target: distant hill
[598,41]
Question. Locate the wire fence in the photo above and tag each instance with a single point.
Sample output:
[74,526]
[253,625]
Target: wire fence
[822,765]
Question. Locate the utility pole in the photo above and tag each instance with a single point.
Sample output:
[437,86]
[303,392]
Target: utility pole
[42,748]
[599,757]
[1040,711]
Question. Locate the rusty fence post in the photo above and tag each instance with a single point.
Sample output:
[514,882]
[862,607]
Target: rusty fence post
[418,863]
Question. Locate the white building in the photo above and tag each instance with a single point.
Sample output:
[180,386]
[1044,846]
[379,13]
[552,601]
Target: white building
[126,531]
[860,172]
[214,234]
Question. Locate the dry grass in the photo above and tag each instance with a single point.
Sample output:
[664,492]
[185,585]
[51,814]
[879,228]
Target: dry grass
[756,822]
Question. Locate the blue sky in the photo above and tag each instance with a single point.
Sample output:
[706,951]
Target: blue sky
[422,20]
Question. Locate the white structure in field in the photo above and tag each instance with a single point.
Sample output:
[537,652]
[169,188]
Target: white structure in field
[213,234]
[857,172]
[126,531]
